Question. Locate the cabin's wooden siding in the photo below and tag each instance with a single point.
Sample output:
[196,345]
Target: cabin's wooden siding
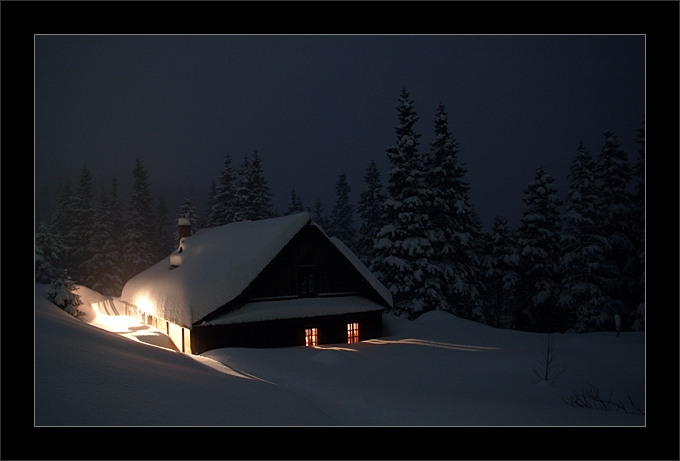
[179,335]
[175,333]
[186,346]
[310,249]
[332,329]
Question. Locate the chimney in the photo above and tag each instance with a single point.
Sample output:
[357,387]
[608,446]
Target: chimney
[184,228]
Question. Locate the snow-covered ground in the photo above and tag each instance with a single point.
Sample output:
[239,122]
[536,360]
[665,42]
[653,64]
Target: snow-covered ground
[107,370]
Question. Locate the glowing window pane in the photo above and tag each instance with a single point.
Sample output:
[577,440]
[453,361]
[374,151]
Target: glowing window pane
[352,332]
[311,337]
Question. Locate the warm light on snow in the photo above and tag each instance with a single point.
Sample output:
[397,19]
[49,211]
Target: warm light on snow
[335,348]
[421,342]
[419,373]
[145,304]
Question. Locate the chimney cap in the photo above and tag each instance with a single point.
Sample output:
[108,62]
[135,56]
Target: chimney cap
[183,222]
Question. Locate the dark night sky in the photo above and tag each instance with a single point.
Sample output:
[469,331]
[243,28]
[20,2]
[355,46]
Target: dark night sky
[315,105]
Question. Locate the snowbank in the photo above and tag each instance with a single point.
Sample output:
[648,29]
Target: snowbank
[86,376]
[296,308]
[439,370]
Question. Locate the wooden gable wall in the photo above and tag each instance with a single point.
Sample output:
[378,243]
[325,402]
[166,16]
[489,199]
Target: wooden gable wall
[309,250]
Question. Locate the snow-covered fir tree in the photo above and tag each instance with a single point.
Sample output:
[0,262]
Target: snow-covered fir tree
[584,269]
[456,232]
[369,210]
[404,251]
[318,215]
[138,249]
[48,247]
[81,226]
[223,201]
[62,292]
[163,225]
[61,222]
[210,201]
[342,215]
[638,270]
[500,276]
[102,268]
[295,204]
[116,279]
[63,212]
[253,197]
[43,204]
[613,176]
[539,234]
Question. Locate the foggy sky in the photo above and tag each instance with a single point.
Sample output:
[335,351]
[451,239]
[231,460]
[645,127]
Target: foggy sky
[313,106]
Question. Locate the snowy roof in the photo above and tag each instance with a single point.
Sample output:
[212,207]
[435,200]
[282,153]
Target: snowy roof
[215,265]
[363,270]
[296,308]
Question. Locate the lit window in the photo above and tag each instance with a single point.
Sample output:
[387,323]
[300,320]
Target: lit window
[311,337]
[352,332]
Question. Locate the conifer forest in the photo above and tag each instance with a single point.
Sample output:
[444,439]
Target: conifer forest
[575,262]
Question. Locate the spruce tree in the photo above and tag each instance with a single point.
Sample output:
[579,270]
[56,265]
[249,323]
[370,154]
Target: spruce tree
[585,272]
[613,175]
[295,204]
[403,247]
[116,279]
[102,267]
[342,213]
[81,226]
[500,262]
[243,199]
[138,249]
[456,231]
[370,201]
[61,223]
[222,206]
[103,271]
[49,246]
[319,216]
[539,235]
[43,205]
[62,292]
[163,241]
[253,197]
[210,201]
[638,262]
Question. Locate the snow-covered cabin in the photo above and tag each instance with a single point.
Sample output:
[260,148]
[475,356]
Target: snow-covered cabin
[270,283]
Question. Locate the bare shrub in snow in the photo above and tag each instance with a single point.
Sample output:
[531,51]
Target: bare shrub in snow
[548,368]
[591,398]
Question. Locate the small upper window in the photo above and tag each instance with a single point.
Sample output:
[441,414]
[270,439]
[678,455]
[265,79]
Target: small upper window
[307,281]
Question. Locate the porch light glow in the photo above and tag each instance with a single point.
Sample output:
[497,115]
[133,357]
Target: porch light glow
[145,304]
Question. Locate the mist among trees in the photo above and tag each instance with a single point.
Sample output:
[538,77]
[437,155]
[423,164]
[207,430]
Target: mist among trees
[575,261]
